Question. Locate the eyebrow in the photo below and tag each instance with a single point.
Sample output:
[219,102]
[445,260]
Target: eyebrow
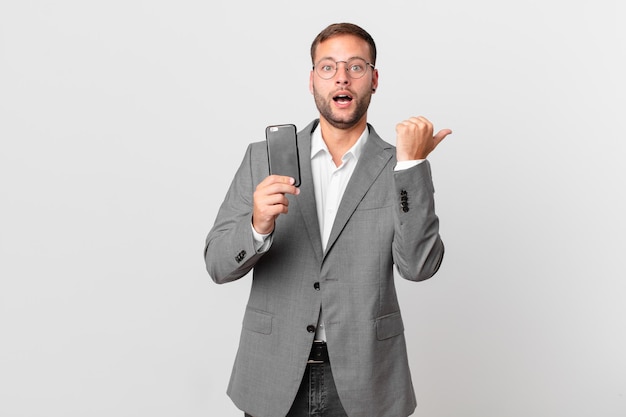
[348,59]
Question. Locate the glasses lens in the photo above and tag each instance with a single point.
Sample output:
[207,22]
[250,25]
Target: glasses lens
[356,67]
[326,68]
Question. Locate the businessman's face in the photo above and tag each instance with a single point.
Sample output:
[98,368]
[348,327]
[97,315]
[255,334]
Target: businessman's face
[342,80]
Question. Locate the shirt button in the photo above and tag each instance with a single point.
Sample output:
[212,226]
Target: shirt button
[310,328]
[316,286]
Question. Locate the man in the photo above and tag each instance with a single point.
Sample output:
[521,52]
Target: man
[322,332]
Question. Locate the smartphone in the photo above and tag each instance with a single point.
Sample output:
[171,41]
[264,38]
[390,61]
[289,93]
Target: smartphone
[282,151]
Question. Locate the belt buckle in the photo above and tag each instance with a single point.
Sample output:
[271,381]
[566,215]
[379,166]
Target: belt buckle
[313,361]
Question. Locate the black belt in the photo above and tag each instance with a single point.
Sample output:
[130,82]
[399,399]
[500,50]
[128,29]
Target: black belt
[319,353]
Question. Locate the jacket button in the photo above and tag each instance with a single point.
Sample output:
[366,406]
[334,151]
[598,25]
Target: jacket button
[316,286]
[310,328]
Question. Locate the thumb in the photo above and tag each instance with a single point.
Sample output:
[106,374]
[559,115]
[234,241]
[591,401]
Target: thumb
[441,135]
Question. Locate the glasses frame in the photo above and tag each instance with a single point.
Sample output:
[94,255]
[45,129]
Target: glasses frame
[337,68]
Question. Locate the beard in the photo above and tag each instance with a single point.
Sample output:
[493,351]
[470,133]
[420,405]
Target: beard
[342,121]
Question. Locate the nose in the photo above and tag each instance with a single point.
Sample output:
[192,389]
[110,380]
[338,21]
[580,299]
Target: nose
[342,77]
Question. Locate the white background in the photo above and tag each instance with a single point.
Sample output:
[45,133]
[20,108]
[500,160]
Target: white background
[122,123]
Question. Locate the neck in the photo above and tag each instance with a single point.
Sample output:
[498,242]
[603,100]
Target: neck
[340,140]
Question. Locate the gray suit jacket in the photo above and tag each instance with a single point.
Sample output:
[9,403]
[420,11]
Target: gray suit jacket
[384,218]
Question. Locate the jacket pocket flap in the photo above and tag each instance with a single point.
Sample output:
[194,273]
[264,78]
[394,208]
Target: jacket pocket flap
[389,326]
[257,321]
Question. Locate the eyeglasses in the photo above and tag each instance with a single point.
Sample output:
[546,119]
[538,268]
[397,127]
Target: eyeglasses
[355,67]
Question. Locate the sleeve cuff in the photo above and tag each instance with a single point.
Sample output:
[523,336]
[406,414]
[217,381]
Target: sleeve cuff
[402,165]
[262,242]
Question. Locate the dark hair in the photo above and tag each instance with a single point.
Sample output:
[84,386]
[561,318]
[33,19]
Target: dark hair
[337,29]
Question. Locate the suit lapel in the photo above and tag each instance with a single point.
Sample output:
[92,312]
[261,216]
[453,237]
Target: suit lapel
[376,153]
[305,201]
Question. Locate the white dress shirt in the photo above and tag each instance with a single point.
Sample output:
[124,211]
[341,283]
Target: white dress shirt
[329,182]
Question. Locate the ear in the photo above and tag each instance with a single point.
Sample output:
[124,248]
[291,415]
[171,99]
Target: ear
[374,80]
[311,82]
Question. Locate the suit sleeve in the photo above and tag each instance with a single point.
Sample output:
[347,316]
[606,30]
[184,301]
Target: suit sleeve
[229,251]
[417,247]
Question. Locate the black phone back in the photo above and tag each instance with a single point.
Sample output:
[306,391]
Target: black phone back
[282,151]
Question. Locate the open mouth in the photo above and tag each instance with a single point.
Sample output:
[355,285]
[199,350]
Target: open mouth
[342,98]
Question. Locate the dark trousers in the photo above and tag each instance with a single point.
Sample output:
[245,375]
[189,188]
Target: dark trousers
[317,395]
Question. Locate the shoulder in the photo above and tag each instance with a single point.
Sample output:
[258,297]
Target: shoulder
[257,150]
[375,138]
[376,145]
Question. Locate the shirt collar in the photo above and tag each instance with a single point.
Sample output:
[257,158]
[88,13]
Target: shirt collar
[318,145]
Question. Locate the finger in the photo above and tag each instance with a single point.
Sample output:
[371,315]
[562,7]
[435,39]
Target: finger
[441,135]
[420,120]
[411,122]
[281,188]
[270,208]
[273,179]
[277,184]
[403,125]
[271,198]
[421,123]
[410,126]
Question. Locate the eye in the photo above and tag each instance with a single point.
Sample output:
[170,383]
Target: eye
[356,68]
[326,66]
